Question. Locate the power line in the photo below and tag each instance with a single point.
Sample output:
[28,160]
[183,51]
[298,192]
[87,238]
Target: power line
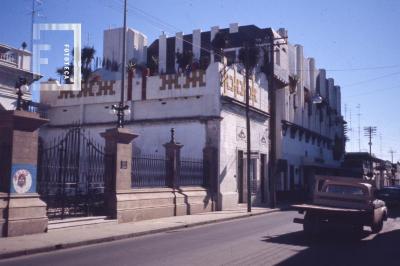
[372,91]
[372,79]
[155,20]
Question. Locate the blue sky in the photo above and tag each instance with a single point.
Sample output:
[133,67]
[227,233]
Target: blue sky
[356,41]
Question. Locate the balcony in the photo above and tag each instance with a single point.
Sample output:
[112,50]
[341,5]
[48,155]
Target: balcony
[9,59]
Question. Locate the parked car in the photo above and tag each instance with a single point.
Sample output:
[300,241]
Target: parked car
[390,195]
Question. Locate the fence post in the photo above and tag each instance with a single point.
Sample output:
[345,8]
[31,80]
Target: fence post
[210,160]
[173,163]
[22,212]
[118,165]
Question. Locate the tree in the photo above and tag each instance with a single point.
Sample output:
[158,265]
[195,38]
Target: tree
[87,56]
[248,56]
[184,60]
[218,44]
[152,64]
[66,77]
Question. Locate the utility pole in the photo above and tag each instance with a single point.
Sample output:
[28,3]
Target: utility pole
[359,127]
[272,120]
[272,124]
[120,108]
[248,127]
[391,153]
[370,132]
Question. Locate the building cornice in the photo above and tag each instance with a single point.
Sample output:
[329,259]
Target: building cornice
[201,119]
[230,100]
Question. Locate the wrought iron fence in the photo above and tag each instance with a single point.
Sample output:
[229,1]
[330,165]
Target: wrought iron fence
[148,171]
[191,172]
[71,174]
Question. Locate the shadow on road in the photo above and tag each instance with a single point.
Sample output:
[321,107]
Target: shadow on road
[342,249]
[394,211]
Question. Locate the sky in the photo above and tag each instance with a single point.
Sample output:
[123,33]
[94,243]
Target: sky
[356,41]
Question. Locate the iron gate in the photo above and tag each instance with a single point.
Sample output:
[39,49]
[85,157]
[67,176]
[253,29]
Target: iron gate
[71,175]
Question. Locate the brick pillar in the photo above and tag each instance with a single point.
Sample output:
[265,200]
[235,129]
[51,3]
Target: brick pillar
[173,164]
[118,147]
[21,210]
[210,160]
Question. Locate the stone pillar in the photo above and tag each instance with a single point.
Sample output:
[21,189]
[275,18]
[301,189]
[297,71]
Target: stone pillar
[173,164]
[196,44]
[118,148]
[21,210]
[162,54]
[210,161]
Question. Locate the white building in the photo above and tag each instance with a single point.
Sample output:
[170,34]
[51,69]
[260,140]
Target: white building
[310,136]
[14,65]
[206,107]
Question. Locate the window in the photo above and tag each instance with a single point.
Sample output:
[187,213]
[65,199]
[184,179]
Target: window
[344,190]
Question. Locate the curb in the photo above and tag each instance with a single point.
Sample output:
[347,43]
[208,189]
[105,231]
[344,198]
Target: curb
[129,235]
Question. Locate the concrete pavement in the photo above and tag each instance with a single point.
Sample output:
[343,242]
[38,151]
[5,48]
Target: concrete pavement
[79,236]
[271,239]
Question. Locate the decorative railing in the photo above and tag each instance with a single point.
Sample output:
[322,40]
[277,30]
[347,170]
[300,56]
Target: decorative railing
[191,172]
[9,58]
[148,171]
[151,171]
[35,107]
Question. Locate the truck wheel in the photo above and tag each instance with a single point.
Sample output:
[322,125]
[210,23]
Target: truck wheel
[377,227]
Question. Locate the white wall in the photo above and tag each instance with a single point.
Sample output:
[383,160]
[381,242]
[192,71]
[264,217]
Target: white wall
[136,45]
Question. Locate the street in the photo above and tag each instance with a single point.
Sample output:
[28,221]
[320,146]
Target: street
[270,239]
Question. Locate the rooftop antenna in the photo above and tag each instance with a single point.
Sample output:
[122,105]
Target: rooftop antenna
[34,13]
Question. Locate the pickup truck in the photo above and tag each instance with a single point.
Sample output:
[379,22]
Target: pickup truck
[342,201]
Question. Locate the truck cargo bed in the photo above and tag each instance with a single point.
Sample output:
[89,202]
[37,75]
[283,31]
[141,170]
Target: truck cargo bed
[304,207]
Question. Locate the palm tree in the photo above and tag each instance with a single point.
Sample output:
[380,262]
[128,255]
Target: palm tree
[60,72]
[87,56]
[248,56]
[184,60]
[218,44]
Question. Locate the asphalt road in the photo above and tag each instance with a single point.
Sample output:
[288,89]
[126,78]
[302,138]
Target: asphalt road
[270,239]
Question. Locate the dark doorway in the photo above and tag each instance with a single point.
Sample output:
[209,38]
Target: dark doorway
[242,184]
[263,177]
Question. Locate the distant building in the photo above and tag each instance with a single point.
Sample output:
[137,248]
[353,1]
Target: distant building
[377,171]
[15,64]
[136,45]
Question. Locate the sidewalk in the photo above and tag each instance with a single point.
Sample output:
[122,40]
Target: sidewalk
[74,237]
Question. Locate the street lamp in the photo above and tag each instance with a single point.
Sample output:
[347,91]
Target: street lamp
[317,99]
[21,87]
[120,110]
[121,107]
